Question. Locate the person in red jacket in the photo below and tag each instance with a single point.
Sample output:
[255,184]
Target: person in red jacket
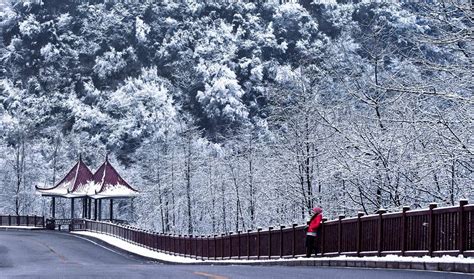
[311,233]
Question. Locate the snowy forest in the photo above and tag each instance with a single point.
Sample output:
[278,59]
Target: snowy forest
[234,115]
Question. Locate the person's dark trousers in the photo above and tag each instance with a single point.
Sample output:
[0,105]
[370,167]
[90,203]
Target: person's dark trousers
[310,245]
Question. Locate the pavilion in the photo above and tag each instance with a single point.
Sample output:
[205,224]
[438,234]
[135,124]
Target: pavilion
[80,183]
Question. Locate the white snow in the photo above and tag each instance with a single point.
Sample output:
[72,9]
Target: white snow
[141,29]
[89,189]
[137,249]
[61,190]
[20,227]
[118,190]
[177,259]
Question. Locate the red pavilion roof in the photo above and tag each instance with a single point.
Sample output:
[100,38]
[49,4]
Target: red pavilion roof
[109,183]
[72,184]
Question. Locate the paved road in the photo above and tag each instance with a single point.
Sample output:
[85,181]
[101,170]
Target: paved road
[41,254]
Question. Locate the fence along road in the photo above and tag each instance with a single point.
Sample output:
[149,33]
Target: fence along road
[433,231]
[52,254]
[25,220]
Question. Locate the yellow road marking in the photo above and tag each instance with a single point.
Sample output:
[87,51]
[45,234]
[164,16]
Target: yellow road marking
[61,257]
[208,275]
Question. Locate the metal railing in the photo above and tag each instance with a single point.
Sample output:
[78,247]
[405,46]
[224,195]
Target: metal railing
[433,231]
[23,220]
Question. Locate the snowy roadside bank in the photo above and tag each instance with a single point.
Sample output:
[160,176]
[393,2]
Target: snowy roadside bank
[20,228]
[138,250]
[444,263]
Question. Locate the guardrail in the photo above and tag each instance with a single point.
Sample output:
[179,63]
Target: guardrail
[24,220]
[433,231]
[71,223]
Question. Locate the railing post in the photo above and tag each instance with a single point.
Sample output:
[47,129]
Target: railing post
[9,220]
[179,244]
[238,241]
[173,238]
[188,238]
[339,234]
[293,239]
[196,245]
[185,241]
[431,232]
[185,248]
[258,243]
[160,242]
[461,229]
[359,233]
[196,242]
[171,244]
[322,238]
[203,237]
[215,247]
[404,229]
[195,253]
[230,245]
[27,220]
[248,244]
[208,241]
[175,246]
[380,231]
[270,242]
[281,241]
[222,246]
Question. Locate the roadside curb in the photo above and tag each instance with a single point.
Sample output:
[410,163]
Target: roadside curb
[21,229]
[361,263]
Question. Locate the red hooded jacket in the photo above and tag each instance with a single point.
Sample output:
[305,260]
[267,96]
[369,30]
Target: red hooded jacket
[314,223]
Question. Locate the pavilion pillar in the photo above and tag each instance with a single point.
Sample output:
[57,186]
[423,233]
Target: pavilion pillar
[95,209]
[72,208]
[100,209]
[111,209]
[89,206]
[53,207]
[84,207]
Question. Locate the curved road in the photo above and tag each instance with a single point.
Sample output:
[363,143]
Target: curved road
[46,254]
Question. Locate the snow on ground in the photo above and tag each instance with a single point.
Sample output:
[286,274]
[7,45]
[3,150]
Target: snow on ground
[135,249]
[21,227]
[170,258]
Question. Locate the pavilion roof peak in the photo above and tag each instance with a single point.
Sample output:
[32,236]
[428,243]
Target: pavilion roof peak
[111,184]
[74,180]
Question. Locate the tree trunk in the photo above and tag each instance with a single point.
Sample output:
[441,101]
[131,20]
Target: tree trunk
[188,184]
[19,172]
[251,186]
